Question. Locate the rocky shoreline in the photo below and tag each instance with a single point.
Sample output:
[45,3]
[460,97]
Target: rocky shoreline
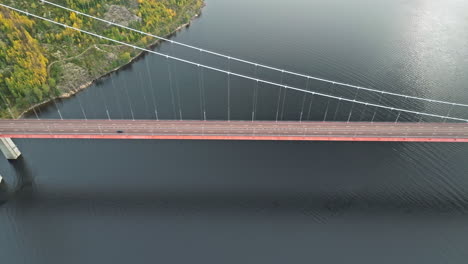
[71,93]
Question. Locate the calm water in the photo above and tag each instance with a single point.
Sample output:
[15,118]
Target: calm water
[82,201]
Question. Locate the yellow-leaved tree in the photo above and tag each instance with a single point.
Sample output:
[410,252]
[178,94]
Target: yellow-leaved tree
[26,81]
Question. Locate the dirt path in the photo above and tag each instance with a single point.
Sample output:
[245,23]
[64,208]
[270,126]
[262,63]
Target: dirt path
[74,57]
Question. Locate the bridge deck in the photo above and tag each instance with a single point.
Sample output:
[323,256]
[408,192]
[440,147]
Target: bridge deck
[235,130]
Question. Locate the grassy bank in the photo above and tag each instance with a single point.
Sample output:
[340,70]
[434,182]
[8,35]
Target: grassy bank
[39,60]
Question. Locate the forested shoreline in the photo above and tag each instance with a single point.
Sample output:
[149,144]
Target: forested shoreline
[40,60]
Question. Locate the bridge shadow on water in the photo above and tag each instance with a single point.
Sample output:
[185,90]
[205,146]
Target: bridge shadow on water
[309,184]
[22,187]
[320,206]
[317,180]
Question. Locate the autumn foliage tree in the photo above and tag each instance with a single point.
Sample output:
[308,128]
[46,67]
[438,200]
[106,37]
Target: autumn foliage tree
[25,80]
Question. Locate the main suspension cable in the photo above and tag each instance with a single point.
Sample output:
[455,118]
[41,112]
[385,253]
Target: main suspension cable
[241,75]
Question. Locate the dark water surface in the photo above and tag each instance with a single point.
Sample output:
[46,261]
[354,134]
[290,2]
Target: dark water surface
[83,201]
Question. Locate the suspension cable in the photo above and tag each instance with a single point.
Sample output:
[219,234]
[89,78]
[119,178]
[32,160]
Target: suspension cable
[240,75]
[253,63]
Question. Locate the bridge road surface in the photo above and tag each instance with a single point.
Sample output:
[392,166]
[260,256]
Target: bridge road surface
[234,130]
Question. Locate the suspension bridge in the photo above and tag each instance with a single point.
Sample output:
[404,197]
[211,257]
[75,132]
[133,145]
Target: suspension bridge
[411,119]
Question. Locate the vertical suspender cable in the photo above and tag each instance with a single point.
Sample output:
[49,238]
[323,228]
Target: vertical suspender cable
[255,94]
[169,72]
[152,89]
[229,89]
[310,106]
[176,82]
[304,100]
[143,92]
[280,88]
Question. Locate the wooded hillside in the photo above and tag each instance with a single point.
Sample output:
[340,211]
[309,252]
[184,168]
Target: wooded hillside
[39,60]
